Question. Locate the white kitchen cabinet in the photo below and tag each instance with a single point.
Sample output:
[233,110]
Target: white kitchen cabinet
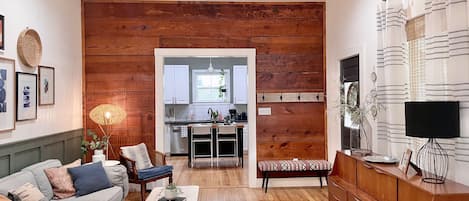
[176,84]
[240,82]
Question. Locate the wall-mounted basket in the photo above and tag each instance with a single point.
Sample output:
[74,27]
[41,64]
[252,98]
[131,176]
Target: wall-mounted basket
[29,47]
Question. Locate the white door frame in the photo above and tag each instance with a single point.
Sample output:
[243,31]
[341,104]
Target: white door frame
[250,53]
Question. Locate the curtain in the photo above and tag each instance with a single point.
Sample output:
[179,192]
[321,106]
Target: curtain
[392,82]
[447,71]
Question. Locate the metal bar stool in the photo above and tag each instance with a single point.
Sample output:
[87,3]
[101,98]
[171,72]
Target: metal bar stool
[227,133]
[201,134]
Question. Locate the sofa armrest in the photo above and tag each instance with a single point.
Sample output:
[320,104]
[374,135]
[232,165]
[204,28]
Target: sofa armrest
[118,176]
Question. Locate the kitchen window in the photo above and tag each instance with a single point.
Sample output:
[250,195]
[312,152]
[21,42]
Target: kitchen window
[211,87]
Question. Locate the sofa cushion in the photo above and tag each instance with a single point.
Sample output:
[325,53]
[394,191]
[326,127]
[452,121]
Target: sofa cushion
[109,194]
[139,154]
[62,184]
[40,176]
[27,192]
[16,180]
[154,171]
[89,178]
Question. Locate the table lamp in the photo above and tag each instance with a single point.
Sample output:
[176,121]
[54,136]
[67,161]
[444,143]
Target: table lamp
[434,119]
[106,115]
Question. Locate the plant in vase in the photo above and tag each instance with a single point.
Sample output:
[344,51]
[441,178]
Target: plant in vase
[171,191]
[96,144]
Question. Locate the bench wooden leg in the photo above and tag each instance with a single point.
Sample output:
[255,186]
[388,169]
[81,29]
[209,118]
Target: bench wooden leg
[266,181]
[263,179]
[320,179]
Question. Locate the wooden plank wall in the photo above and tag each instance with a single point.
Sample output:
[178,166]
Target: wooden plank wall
[289,38]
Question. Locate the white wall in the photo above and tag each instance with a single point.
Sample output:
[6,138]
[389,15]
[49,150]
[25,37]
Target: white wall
[58,23]
[351,29]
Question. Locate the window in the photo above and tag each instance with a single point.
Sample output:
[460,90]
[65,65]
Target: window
[210,87]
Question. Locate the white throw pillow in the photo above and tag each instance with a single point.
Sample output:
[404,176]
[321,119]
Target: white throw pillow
[139,154]
[28,192]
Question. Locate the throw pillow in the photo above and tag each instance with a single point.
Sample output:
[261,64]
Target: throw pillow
[62,184]
[27,192]
[139,154]
[89,178]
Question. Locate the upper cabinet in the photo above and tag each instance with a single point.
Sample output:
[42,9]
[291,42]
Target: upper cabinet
[176,84]
[240,82]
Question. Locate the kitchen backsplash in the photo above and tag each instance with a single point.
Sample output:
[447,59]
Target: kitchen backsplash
[199,111]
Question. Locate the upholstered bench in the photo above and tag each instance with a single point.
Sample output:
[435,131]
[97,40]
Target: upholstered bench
[321,168]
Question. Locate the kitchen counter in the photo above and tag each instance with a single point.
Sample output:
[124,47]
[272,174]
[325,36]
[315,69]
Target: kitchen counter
[238,125]
[197,121]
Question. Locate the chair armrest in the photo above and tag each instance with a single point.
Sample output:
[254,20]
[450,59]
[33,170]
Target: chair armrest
[118,176]
[131,167]
[157,158]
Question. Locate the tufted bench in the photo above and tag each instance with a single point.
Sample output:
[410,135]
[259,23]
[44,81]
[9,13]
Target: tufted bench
[321,168]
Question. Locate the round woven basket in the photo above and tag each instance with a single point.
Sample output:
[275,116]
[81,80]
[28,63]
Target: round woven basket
[29,47]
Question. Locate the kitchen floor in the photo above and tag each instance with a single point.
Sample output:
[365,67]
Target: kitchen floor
[229,183]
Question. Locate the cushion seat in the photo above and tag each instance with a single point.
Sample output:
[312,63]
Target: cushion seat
[291,165]
[154,171]
[110,194]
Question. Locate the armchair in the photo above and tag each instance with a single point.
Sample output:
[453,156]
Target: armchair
[140,169]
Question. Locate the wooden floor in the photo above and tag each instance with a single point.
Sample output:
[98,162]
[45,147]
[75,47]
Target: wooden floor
[228,183]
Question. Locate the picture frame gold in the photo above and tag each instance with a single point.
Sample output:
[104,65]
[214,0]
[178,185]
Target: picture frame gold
[7,94]
[405,161]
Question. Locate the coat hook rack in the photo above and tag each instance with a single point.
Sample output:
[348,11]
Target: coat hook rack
[292,97]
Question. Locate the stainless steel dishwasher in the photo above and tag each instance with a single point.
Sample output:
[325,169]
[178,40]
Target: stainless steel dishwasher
[179,140]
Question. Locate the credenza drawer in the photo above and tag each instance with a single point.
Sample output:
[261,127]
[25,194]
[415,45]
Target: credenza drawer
[376,183]
[336,192]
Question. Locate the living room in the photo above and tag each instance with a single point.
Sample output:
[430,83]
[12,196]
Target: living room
[326,94]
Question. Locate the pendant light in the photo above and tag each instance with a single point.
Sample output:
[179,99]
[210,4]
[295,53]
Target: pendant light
[210,67]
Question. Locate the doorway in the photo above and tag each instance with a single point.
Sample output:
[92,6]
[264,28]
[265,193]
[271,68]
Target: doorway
[249,53]
[350,95]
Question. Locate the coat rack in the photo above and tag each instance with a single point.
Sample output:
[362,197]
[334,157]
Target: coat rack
[295,97]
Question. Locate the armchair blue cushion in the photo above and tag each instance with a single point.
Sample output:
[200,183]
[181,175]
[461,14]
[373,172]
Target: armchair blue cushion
[154,171]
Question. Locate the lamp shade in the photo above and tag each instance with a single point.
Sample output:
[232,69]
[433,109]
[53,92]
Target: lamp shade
[107,114]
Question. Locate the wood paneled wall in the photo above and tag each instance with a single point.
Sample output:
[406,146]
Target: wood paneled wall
[289,38]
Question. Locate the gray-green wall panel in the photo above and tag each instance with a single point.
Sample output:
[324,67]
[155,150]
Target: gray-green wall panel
[64,146]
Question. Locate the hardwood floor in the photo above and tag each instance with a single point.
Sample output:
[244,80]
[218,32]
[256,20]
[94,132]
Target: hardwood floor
[228,183]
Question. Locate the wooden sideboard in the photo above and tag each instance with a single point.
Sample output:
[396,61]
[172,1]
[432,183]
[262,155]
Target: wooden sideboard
[354,179]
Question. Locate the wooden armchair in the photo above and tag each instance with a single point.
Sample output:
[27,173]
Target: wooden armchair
[159,171]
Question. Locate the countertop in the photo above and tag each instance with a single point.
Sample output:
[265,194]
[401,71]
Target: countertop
[198,121]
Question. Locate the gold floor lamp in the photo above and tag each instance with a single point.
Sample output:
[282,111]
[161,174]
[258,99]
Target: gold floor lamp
[106,115]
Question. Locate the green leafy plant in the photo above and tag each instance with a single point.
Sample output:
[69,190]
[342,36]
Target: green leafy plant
[171,186]
[95,143]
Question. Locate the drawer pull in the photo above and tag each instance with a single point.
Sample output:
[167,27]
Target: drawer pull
[379,171]
[367,166]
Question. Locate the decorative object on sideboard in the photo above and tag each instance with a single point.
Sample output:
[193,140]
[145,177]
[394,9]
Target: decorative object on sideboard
[106,115]
[434,119]
[46,85]
[2,32]
[405,161]
[29,47]
[26,96]
[380,159]
[7,94]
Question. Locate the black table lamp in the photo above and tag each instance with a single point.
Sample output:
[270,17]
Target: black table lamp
[435,119]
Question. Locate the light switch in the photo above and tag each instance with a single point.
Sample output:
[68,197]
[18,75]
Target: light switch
[264,111]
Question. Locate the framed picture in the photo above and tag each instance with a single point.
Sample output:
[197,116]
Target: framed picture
[26,96]
[7,94]
[2,32]
[46,85]
[405,161]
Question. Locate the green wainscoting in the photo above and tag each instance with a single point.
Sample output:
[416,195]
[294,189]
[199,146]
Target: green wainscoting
[64,146]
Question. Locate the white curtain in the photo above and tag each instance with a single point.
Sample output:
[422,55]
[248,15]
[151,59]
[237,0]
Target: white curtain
[447,71]
[393,79]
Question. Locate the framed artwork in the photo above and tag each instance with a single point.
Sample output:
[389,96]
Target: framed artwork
[2,32]
[26,96]
[405,161]
[46,85]
[7,94]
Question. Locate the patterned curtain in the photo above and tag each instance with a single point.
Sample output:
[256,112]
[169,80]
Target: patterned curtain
[447,71]
[393,79]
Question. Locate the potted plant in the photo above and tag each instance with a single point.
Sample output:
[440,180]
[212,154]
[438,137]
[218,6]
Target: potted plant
[96,144]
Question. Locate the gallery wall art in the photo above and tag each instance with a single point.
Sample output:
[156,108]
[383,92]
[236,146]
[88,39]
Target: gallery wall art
[2,32]
[46,85]
[26,96]
[7,94]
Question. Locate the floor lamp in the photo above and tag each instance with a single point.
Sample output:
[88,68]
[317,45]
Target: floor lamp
[106,115]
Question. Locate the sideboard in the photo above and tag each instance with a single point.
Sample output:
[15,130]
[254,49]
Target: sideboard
[354,179]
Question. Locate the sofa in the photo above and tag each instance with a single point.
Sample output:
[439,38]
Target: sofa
[35,175]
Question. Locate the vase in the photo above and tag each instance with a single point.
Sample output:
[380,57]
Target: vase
[98,156]
[171,194]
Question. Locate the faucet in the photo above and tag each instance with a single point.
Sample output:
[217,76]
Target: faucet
[213,114]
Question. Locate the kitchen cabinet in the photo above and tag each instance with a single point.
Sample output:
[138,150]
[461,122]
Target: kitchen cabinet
[240,84]
[176,84]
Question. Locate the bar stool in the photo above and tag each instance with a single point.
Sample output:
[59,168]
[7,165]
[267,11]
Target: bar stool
[227,133]
[201,134]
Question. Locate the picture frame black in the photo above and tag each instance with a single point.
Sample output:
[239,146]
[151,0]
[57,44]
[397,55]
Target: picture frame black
[46,85]
[26,96]
[2,32]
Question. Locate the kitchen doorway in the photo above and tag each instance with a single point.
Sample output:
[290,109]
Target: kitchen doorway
[249,53]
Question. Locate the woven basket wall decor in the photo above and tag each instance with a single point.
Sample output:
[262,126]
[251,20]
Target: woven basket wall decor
[29,47]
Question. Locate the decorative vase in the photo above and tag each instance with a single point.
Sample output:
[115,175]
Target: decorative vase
[98,156]
[170,194]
